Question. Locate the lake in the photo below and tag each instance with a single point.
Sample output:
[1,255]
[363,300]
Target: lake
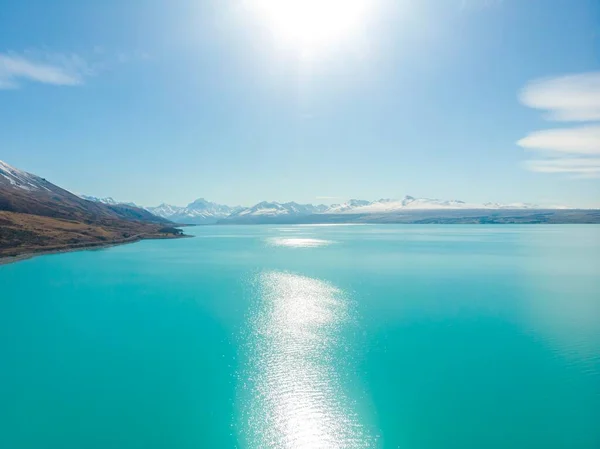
[312,337]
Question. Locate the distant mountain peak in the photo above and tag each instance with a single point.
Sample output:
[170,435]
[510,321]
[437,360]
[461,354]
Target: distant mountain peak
[109,200]
[200,202]
[199,211]
[95,199]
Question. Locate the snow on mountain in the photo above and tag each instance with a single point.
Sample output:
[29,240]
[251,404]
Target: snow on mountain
[412,203]
[203,208]
[18,179]
[27,193]
[263,208]
[348,206]
[274,209]
[515,206]
[165,210]
[200,211]
[95,199]
[108,200]
[408,202]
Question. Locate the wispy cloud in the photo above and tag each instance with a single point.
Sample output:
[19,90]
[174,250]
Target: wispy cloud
[573,98]
[579,167]
[56,69]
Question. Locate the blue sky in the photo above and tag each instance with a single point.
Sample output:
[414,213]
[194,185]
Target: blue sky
[152,101]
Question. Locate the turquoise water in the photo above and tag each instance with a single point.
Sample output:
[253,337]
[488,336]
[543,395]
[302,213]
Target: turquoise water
[416,337]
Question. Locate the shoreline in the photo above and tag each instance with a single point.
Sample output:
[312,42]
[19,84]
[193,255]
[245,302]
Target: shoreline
[6,260]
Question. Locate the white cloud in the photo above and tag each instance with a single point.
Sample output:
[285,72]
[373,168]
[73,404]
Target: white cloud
[574,151]
[571,98]
[582,140]
[56,69]
[579,167]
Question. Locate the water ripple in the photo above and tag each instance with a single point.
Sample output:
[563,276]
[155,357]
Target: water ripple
[295,397]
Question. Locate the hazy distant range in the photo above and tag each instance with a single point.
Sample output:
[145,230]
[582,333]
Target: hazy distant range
[406,210]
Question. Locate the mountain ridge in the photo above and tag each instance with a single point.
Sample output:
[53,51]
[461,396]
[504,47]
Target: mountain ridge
[199,211]
[202,211]
[38,216]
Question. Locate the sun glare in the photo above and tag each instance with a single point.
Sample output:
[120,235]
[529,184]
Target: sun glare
[311,24]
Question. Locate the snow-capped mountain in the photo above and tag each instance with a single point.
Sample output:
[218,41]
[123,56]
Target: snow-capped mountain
[200,211]
[517,206]
[274,209]
[27,193]
[95,199]
[393,205]
[266,210]
[165,210]
[411,203]
[347,206]
[12,177]
[107,200]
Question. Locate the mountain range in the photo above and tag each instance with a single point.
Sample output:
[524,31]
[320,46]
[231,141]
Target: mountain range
[202,211]
[197,212]
[36,215]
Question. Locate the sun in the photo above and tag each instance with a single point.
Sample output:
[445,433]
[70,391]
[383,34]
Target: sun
[311,24]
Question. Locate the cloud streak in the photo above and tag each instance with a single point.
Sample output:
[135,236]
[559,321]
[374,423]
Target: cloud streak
[571,98]
[579,167]
[576,150]
[59,70]
[582,140]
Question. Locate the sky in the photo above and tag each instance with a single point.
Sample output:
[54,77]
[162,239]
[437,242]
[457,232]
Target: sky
[240,101]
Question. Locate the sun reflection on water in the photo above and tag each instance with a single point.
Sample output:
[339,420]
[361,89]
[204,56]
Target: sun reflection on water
[295,395]
[299,242]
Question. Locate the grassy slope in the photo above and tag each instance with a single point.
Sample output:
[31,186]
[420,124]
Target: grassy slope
[26,233]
